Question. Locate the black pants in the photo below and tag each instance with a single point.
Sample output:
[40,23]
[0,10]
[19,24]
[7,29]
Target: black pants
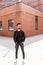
[22,48]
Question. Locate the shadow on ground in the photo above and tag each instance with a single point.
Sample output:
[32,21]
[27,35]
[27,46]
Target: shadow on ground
[33,39]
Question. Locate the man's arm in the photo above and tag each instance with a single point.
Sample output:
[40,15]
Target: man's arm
[14,36]
[23,36]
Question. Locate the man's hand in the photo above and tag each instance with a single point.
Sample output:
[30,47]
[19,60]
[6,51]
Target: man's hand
[15,45]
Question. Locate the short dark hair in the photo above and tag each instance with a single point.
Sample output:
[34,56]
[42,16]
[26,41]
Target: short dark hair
[18,24]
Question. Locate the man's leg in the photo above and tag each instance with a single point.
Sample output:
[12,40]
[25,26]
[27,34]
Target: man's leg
[17,46]
[22,48]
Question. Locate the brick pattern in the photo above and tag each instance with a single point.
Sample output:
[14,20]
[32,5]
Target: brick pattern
[23,14]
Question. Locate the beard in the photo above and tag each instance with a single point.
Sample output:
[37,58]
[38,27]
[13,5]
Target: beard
[19,28]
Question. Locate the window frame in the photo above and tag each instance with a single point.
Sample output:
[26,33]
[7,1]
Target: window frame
[36,22]
[1,26]
[9,24]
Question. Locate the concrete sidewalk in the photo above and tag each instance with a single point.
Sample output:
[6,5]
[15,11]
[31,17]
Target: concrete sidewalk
[33,51]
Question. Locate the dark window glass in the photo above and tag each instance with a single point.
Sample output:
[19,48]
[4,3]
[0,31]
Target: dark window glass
[0,0]
[36,22]
[0,25]
[10,24]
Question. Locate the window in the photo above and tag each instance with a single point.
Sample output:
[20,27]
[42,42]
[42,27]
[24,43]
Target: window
[36,22]
[10,24]
[6,0]
[0,0]
[19,0]
[13,0]
[0,25]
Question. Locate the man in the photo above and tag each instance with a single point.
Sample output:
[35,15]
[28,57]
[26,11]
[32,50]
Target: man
[19,38]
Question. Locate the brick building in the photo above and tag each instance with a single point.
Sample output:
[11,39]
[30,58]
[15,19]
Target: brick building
[28,14]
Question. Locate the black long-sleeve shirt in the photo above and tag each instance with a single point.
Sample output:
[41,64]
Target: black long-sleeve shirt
[19,36]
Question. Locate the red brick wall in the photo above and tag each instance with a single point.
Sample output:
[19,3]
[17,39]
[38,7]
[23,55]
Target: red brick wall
[28,24]
[24,14]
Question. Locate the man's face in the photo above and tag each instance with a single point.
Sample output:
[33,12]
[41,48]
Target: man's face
[19,26]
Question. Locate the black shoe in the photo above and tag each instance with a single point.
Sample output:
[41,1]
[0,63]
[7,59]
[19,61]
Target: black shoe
[23,57]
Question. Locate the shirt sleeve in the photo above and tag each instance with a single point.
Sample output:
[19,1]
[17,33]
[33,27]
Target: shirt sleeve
[23,36]
[14,36]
